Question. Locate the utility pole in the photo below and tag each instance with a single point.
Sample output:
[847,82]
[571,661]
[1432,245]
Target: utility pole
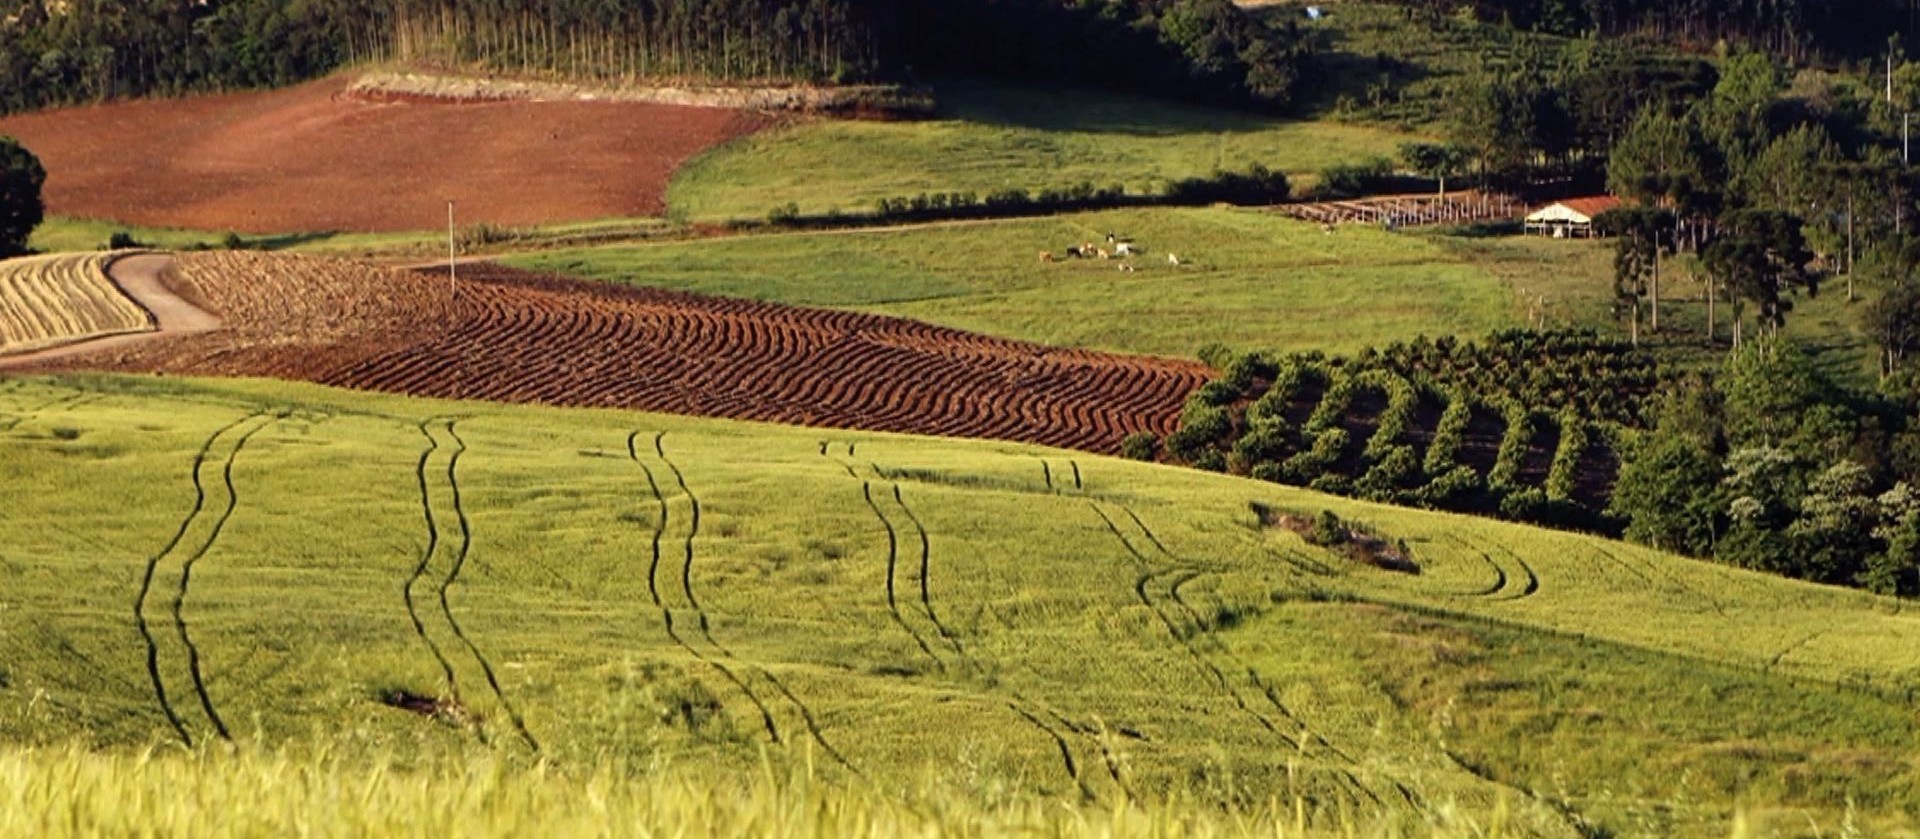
[453,279]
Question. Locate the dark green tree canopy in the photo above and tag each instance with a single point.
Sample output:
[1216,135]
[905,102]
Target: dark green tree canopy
[21,208]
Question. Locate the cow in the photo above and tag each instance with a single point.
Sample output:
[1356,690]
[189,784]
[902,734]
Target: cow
[1046,257]
[1173,260]
[1123,249]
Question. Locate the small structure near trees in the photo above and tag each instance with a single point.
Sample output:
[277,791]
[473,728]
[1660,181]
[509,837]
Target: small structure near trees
[1572,218]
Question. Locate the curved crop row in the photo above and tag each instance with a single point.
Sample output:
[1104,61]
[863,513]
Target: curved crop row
[505,335]
[50,300]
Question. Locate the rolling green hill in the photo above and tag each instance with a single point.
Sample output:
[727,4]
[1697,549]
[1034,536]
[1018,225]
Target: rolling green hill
[991,136]
[304,568]
[1248,279]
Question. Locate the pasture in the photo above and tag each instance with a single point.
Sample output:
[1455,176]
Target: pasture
[316,570]
[51,300]
[989,136]
[1248,279]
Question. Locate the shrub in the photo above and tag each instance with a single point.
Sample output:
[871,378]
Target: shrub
[1288,378]
[1216,355]
[121,240]
[1258,185]
[1333,405]
[1009,199]
[1449,488]
[1309,465]
[1350,180]
[1398,469]
[1402,402]
[1211,460]
[1513,446]
[785,214]
[1144,446]
[1450,433]
[233,242]
[1262,444]
[1216,393]
[1526,505]
[1328,531]
[1566,459]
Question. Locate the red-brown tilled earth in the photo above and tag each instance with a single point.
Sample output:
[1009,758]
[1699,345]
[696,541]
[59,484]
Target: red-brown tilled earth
[517,337]
[314,158]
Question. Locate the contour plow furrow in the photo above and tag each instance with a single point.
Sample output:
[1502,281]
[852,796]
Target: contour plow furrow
[216,448]
[459,548]
[515,336]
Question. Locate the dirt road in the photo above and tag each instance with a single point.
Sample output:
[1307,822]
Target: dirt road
[143,278]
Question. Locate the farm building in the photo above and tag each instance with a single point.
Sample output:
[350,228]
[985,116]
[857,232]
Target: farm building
[1572,218]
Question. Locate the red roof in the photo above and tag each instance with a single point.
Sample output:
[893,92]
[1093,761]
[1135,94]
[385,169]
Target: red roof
[1591,206]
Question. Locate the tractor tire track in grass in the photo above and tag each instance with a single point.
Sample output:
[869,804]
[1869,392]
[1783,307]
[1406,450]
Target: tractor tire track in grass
[653,587]
[1020,702]
[1016,702]
[1142,592]
[459,549]
[186,578]
[926,560]
[426,559]
[1183,572]
[1671,583]
[893,563]
[807,717]
[208,452]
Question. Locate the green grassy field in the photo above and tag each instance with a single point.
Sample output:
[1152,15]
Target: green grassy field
[448,582]
[989,137]
[1251,279]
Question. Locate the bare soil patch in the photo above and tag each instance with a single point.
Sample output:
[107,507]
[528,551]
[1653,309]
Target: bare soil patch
[312,158]
[513,336]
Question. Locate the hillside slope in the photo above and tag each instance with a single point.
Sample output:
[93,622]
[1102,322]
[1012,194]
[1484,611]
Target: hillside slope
[298,565]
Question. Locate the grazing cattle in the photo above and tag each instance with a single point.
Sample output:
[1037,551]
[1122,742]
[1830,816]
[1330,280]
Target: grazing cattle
[1126,268]
[1104,255]
[1173,260]
[1046,256]
[1123,249]
[1074,252]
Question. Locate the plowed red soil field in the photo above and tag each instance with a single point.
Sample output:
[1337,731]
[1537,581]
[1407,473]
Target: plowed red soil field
[312,158]
[512,336]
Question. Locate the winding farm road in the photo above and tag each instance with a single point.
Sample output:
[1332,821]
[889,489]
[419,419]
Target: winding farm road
[142,278]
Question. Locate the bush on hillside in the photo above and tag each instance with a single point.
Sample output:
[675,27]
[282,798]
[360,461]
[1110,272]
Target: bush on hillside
[1143,446]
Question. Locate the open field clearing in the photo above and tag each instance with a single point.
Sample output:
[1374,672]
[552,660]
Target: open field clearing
[1248,279]
[515,337]
[364,575]
[310,158]
[51,300]
[991,136]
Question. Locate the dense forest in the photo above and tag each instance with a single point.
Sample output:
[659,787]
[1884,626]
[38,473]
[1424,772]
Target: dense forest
[71,51]
[1797,30]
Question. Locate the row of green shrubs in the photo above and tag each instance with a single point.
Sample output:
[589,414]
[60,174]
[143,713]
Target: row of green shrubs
[1256,185]
[1240,423]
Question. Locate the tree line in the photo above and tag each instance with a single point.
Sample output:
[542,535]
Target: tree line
[1793,29]
[56,52]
